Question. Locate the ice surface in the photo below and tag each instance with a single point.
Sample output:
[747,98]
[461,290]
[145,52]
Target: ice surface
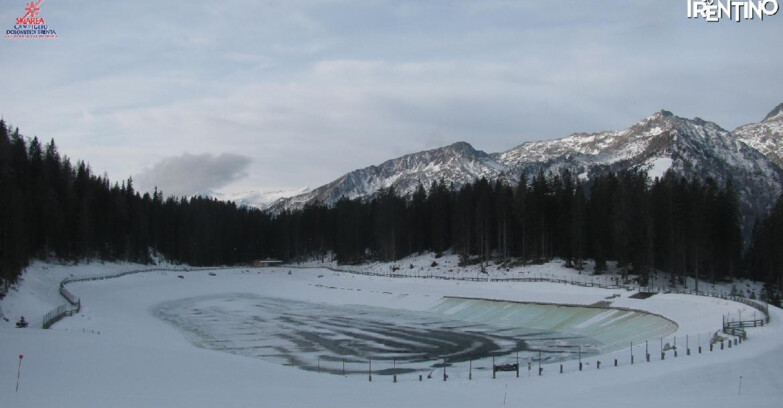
[309,335]
[585,322]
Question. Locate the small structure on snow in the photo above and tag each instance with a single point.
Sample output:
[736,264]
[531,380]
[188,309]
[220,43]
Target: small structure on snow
[260,263]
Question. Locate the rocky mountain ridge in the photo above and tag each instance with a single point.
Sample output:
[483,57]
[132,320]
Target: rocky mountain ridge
[765,136]
[663,141]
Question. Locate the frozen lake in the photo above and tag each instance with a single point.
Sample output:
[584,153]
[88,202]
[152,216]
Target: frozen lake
[343,338]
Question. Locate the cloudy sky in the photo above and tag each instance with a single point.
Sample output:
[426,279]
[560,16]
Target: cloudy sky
[252,95]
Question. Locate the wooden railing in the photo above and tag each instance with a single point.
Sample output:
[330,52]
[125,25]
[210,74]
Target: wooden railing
[74,304]
[737,328]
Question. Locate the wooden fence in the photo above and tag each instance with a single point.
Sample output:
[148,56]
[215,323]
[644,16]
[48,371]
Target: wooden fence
[74,304]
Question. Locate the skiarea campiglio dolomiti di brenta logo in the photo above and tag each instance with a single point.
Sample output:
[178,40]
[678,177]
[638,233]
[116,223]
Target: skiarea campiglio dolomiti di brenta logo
[31,25]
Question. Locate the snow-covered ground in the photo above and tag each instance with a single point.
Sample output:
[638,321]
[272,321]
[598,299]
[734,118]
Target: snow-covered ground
[447,265]
[119,351]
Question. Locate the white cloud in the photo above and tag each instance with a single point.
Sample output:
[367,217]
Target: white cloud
[193,174]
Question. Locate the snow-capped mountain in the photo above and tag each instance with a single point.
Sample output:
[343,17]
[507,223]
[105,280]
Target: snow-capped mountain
[604,148]
[691,147]
[458,163]
[765,136]
[663,141]
[258,199]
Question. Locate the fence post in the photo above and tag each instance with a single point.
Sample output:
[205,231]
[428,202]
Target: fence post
[19,372]
[540,369]
[444,370]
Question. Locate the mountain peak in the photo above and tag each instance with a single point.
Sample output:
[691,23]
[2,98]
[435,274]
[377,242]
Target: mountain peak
[659,116]
[776,114]
[461,147]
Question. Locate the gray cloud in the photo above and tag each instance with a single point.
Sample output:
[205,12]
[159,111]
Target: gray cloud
[193,174]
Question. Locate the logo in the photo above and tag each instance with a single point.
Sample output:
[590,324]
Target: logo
[738,10]
[31,25]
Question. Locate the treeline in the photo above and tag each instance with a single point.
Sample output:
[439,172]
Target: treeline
[765,254]
[686,227]
[52,208]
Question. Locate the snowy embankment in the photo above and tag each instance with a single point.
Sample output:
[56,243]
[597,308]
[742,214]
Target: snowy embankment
[117,352]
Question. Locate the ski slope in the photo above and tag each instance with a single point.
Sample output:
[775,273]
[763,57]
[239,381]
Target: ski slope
[119,352]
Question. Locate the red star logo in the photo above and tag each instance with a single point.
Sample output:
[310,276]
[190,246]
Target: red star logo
[33,9]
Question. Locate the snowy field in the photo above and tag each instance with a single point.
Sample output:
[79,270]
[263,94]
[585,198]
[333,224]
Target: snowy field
[267,337]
